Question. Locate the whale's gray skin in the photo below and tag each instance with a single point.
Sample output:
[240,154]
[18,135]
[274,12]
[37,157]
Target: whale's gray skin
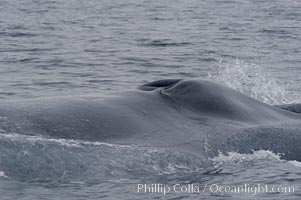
[195,116]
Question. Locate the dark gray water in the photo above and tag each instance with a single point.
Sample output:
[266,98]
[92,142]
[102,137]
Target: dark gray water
[55,48]
[72,46]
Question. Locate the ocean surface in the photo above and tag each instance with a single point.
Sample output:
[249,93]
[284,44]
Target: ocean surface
[75,47]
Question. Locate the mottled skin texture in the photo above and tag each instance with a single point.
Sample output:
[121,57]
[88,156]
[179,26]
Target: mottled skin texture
[196,116]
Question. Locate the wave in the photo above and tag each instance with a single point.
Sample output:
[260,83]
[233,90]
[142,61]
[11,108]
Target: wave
[64,142]
[36,158]
[251,79]
[295,163]
[235,157]
[2,174]
[33,158]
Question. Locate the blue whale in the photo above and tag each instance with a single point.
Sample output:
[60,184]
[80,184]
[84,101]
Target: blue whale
[196,116]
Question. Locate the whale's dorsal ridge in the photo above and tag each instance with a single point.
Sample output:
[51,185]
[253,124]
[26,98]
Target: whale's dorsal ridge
[174,113]
[164,83]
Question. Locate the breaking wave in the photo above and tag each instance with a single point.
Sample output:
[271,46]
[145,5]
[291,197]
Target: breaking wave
[251,79]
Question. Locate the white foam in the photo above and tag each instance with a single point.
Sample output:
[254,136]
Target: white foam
[295,163]
[65,142]
[2,174]
[238,157]
[251,79]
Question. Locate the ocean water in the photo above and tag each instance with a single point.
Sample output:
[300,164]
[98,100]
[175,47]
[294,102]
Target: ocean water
[74,47]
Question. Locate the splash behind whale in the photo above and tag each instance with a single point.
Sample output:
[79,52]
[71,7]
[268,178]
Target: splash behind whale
[196,116]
